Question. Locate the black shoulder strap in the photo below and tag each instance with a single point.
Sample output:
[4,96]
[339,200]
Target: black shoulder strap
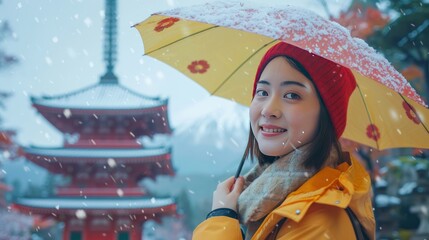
[273,234]
[359,232]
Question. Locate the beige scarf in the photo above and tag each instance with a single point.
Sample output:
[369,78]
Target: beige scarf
[267,186]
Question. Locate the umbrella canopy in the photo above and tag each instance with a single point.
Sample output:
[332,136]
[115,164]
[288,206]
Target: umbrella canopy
[219,45]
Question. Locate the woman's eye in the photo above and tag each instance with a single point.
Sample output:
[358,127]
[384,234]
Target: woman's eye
[261,93]
[292,96]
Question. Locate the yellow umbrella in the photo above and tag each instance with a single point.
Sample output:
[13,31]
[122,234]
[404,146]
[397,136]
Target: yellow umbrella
[219,45]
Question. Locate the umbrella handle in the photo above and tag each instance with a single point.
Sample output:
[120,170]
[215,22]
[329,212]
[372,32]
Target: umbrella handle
[237,174]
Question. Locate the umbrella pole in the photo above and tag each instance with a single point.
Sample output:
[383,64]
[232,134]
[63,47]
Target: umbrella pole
[237,174]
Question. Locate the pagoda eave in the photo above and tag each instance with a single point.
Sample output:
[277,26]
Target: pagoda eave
[100,111]
[95,160]
[146,214]
[99,192]
[61,164]
[61,168]
[96,207]
[89,155]
[68,119]
[58,168]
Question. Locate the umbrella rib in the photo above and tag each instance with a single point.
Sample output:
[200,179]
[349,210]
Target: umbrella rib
[415,112]
[367,112]
[226,79]
[178,40]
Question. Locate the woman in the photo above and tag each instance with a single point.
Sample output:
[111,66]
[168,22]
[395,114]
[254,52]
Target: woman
[303,182]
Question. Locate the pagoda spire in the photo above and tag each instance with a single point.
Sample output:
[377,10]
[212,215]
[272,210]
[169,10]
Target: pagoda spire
[110,31]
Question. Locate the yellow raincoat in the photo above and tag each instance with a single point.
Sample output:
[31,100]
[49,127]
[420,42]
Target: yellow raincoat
[313,211]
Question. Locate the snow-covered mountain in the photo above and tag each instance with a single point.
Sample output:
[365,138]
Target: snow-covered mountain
[210,137]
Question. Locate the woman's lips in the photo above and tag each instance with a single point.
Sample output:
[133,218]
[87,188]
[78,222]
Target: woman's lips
[271,130]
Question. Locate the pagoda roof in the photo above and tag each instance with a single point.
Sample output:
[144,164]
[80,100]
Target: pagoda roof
[100,96]
[95,203]
[97,152]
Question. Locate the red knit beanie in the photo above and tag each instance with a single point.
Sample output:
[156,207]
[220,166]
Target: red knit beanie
[334,82]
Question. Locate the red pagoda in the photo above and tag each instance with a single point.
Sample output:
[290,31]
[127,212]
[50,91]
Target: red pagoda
[103,156]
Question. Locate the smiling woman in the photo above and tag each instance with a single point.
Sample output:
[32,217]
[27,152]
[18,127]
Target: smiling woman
[303,186]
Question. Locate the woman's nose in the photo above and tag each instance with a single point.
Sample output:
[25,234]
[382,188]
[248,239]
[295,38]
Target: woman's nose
[271,109]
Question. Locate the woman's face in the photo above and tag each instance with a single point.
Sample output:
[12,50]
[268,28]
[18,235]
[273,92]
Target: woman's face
[284,113]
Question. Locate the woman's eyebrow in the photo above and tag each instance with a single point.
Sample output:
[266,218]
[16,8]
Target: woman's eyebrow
[284,83]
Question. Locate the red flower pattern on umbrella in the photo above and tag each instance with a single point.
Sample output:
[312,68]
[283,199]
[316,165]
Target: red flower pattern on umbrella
[373,132]
[199,66]
[165,23]
[411,112]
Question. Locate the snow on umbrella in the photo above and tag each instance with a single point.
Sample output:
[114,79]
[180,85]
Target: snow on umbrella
[219,45]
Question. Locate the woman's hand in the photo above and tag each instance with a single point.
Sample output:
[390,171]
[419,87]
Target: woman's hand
[227,193]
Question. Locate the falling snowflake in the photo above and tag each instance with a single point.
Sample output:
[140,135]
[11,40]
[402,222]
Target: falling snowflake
[111,162]
[80,214]
[67,113]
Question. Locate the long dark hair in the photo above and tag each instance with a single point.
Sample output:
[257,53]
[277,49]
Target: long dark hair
[318,150]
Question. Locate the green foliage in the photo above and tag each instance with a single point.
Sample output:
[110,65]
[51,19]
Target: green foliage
[405,40]
[404,37]
[408,6]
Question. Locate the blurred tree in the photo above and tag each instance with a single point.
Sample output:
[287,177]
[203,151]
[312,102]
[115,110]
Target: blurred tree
[185,209]
[362,18]
[8,147]
[383,24]
[5,32]
[5,61]
[405,40]
[13,225]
